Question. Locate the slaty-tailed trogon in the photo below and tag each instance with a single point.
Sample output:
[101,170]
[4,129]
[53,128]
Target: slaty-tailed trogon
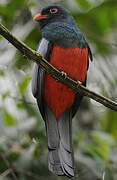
[65,47]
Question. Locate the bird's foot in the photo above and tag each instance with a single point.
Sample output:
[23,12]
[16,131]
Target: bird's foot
[64,74]
[79,83]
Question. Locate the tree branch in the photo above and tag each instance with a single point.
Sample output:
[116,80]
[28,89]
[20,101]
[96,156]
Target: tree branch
[36,57]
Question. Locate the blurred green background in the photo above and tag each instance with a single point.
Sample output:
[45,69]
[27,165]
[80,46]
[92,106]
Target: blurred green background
[23,144]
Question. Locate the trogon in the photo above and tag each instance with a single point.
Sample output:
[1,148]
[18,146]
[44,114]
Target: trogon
[64,46]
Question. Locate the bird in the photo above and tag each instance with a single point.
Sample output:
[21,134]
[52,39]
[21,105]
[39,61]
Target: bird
[64,46]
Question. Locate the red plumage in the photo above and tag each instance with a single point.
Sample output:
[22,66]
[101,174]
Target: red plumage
[74,62]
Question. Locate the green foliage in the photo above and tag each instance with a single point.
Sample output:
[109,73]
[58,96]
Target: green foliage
[21,62]
[9,12]
[24,84]
[98,23]
[109,123]
[100,148]
[9,119]
[85,5]
[1,72]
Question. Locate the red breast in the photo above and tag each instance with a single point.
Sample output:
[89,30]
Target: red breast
[73,61]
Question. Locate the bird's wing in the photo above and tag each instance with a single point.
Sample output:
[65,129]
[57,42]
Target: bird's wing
[38,73]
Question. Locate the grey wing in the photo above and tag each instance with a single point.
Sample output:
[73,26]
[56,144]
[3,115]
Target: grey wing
[38,74]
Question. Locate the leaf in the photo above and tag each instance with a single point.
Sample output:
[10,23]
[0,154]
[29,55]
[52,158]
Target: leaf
[24,84]
[2,73]
[9,119]
[102,138]
[109,123]
[84,4]
[103,143]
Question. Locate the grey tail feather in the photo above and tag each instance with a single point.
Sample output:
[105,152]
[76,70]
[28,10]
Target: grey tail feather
[60,156]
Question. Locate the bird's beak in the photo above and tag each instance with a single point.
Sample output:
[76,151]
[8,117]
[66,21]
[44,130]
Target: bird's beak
[39,17]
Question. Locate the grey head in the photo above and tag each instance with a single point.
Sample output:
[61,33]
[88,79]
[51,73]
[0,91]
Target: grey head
[59,28]
[53,13]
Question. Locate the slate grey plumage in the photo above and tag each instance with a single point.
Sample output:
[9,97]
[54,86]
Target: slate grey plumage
[60,156]
[59,30]
[38,75]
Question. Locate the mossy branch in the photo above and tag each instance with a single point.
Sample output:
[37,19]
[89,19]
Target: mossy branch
[36,57]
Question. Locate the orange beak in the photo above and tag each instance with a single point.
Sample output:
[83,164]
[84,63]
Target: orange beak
[39,17]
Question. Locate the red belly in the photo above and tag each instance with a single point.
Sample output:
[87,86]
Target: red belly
[73,61]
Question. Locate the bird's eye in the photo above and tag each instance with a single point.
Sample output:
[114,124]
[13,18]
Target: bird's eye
[53,11]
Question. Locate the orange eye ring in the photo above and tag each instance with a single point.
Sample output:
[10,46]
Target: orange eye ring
[53,11]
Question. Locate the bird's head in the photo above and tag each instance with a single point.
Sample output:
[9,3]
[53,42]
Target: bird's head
[53,13]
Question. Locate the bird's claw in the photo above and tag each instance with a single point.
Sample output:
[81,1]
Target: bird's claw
[79,83]
[64,74]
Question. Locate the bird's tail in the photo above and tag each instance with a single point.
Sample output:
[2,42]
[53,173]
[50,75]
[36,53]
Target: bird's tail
[60,157]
